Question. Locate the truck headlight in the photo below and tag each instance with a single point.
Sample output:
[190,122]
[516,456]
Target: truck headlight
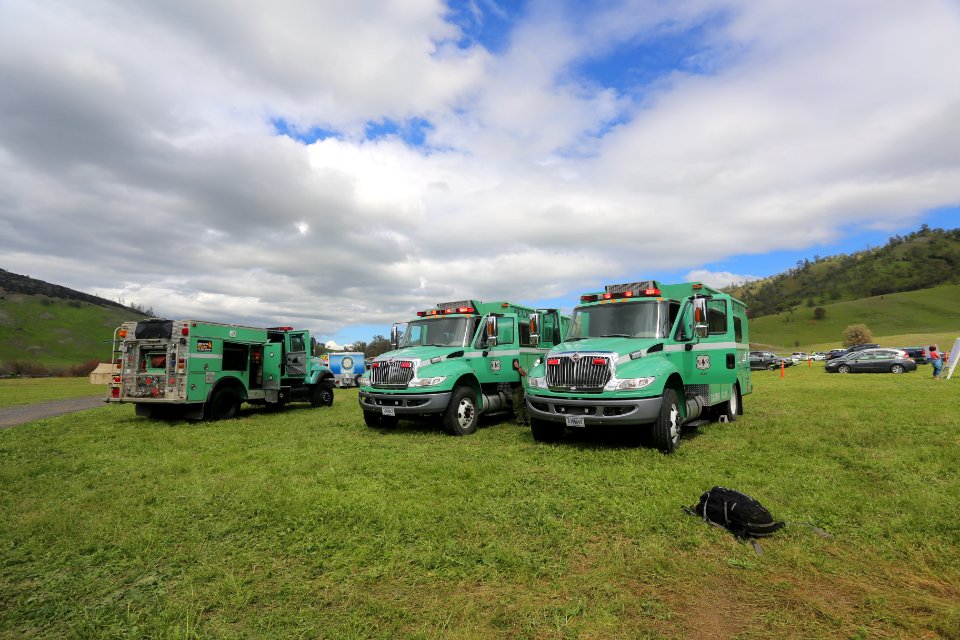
[633,383]
[427,382]
[364,381]
[537,383]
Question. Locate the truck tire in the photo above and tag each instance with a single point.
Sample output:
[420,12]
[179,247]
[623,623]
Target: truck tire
[666,429]
[322,393]
[730,408]
[223,404]
[544,431]
[460,418]
[376,420]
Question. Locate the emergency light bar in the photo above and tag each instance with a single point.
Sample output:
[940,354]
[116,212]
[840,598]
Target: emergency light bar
[464,306]
[649,292]
[635,287]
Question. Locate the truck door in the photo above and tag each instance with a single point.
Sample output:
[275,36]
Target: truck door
[295,360]
[497,366]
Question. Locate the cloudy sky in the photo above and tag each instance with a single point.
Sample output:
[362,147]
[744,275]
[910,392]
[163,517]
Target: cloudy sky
[337,165]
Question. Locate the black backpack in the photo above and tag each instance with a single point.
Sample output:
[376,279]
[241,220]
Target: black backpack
[736,512]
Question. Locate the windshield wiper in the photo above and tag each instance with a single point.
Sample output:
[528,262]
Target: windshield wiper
[572,339]
[617,335]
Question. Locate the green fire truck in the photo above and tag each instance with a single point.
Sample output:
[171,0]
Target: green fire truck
[645,355]
[195,369]
[458,361]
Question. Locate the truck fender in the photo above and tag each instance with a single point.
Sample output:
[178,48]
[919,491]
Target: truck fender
[319,374]
[230,382]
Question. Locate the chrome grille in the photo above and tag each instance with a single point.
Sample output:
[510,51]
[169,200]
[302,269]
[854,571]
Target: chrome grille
[391,374]
[578,371]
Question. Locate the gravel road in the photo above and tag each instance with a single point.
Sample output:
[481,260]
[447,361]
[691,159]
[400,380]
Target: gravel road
[18,415]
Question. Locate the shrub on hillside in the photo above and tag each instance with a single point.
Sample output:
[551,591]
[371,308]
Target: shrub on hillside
[856,334]
[819,313]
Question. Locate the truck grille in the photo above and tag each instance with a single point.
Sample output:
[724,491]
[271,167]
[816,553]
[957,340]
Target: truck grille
[391,374]
[579,371]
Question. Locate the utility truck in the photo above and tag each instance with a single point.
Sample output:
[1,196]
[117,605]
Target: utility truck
[457,362]
[196,369]
[649,356]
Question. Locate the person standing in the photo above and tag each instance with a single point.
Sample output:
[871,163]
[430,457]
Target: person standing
[936,361]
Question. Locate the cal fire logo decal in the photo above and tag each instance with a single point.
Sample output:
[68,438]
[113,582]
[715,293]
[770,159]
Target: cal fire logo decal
[703,362]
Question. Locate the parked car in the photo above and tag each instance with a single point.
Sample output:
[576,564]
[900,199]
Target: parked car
[819,355]
[872,361]
[767,360]
[917,354]
[849,350]
[799,356]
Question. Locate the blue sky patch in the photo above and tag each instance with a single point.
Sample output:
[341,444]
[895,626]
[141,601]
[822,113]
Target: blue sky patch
[284,128]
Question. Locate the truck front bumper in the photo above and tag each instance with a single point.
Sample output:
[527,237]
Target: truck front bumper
[405,403]
[625,412]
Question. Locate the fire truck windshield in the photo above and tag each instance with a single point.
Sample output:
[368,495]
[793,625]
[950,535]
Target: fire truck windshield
[440,332]
[642,319]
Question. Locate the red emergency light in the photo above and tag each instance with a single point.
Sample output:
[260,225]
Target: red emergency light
[553,361]
[601,361]
[405,364]
[184,331]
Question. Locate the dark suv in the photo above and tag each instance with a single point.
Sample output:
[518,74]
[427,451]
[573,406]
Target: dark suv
[917,354]
[853,349]
[767,360]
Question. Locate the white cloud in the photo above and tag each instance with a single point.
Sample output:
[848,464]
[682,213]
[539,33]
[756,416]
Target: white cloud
[138,158]
[717,278]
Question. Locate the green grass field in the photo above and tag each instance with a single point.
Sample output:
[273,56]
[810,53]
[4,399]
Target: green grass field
[15,392]
[306,523]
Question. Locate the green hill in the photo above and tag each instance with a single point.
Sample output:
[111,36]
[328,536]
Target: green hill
[920,260]
[897,319]
[52,327]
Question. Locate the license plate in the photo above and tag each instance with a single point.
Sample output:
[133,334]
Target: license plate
[575,421]
[388,411]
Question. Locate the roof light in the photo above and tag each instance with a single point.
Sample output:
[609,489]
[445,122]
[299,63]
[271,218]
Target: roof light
[464,309]
[122,333]
[590,297]
[420,314]
[697,285]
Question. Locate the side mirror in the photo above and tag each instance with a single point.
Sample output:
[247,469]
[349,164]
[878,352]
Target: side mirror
[491,329]
[700,326]
[534,328]
[395,337]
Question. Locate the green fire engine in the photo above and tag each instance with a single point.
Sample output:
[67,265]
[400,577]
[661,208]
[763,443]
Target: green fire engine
[195,369]
[644,355]
[458,361]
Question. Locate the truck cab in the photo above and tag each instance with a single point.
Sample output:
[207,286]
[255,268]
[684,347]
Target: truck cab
[645,356]
[456,362]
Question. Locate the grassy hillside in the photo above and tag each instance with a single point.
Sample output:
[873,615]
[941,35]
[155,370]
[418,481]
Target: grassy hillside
[55,332]
[926,258]
[896,319]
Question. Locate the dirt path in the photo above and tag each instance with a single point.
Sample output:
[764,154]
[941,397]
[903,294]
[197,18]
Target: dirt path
[18,415]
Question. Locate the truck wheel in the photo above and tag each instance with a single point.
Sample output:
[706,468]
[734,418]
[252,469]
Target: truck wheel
[730,408]
[897,368]
[322,393]
[376,420]
[460,418]
[843,368]
[666,429]
[544,431]
[223,405]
